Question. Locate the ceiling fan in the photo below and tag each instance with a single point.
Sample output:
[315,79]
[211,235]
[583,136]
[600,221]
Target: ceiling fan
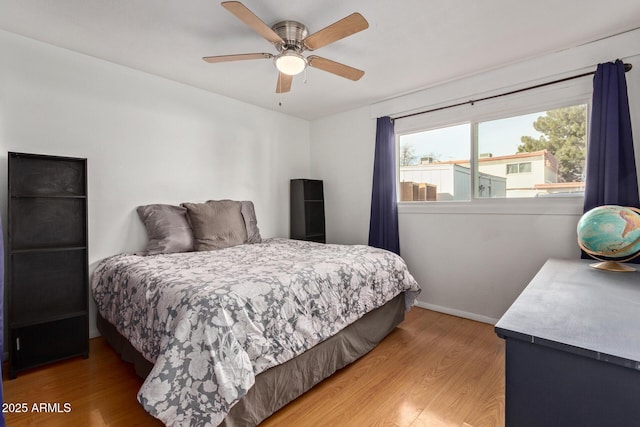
[291,39]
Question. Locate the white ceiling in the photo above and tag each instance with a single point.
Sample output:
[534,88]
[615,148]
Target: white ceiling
[409,45]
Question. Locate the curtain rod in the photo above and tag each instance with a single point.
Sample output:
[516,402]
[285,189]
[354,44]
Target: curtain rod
[627,67]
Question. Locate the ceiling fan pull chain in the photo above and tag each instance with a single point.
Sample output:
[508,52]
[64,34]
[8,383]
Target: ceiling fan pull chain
[305,76]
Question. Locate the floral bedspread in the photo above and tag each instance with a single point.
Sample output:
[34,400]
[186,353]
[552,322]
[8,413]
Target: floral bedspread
[211,321]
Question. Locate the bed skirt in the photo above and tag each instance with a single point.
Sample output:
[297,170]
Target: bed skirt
[281,384]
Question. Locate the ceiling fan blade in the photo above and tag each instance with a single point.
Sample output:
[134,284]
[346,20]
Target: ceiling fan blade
[238,57]
[284,83]
[338,30]
[334,67]
[245,15]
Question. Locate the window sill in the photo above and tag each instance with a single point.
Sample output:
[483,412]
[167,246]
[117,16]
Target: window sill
[515,206]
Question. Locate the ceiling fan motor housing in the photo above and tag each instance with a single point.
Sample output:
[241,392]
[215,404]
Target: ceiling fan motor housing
[293,33]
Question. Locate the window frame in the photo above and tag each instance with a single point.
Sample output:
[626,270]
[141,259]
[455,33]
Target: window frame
[546,98]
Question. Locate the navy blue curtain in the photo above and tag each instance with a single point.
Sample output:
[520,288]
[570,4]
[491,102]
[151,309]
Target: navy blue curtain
[383,225]
[611,167]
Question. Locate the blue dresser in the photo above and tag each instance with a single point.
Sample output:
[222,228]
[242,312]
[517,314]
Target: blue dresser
[573,348]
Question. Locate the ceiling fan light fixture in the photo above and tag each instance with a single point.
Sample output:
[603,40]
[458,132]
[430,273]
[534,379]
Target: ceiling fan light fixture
[290,62]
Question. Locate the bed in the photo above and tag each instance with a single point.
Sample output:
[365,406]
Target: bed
[229,336]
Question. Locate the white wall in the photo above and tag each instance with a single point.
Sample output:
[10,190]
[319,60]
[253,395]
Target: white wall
[472,264]
[147,140]
[342,151]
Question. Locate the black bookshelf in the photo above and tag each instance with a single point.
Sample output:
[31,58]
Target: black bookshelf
[307,210]
[47,284]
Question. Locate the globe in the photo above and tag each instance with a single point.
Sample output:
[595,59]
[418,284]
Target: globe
[610,234]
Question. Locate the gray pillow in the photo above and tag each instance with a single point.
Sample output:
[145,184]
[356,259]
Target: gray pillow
[216,224]
[250,222]
[167,227]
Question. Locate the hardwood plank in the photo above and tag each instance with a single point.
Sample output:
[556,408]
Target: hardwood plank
[100,390]
[432,370]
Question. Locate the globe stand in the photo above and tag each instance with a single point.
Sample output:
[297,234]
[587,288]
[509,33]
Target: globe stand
[612,266]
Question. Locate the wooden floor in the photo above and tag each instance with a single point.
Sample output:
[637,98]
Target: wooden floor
[433,370]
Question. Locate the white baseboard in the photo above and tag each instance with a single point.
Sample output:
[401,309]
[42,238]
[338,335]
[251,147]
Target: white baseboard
[459,313]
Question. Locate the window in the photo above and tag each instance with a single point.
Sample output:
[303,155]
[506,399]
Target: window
[518,167]
[429,162]
[520,156]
